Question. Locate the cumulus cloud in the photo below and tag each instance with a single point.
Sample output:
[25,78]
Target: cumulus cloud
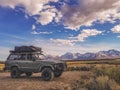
[80,38]
[116,29]
[32,7]
[46,17]
[87,33]
[86,12]
[41,8]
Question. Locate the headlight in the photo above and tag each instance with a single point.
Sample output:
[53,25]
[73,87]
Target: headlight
[56,65]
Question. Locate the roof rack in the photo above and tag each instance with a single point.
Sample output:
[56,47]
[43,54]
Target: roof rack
[26,49]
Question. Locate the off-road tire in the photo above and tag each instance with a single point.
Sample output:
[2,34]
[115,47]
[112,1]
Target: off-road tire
[58,73]
[15,73]
[28,74]
[47,74]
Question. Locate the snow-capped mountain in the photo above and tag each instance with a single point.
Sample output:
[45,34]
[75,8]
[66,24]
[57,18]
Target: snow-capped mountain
[68,55]
[110,54]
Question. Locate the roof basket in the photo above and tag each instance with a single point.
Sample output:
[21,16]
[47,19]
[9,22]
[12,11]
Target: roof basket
[20,49]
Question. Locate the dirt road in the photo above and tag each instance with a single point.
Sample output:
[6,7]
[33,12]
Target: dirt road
[36,83]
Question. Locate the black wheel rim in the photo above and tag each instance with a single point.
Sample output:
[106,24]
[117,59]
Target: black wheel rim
[14,72]
[46,75]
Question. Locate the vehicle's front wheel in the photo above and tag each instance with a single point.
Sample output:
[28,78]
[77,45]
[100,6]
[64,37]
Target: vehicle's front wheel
[15,73]
[28,74]
[47,74]
[58,73]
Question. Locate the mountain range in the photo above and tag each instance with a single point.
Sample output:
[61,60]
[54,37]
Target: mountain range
[110,54]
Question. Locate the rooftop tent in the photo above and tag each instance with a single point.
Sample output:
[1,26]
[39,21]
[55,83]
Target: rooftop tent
[27,49]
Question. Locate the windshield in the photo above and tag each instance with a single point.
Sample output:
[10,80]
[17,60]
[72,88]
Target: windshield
[39,56]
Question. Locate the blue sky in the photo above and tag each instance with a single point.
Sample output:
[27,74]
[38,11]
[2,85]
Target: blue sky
[60,26]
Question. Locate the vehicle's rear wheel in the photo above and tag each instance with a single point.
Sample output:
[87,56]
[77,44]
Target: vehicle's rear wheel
[58,73]
[15,73]
[28,74]
[47,74]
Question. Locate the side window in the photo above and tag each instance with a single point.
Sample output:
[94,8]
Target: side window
[23,57]
[13,57]
[29,56]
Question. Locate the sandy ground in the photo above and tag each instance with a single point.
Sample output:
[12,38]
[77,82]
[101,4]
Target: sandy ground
[36,83]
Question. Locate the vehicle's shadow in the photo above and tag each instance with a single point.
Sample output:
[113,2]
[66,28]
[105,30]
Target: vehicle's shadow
[22,77]
[34,77]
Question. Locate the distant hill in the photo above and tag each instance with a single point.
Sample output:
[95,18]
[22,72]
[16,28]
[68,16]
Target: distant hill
[110,54]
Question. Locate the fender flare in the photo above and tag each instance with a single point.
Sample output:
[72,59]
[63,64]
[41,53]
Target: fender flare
[46,66]
[15,65]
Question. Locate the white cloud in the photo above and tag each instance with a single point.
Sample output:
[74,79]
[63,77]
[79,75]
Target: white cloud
[46,17]
[86,12]
[54,49]
[37,33]
[87,33]
[116,29]
[63,42]
[80,38]
[34,7]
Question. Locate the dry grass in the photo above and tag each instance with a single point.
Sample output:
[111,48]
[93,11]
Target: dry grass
[90,64]
[2,67]
[82,75]
[98,62]
[65,82]
[107,74]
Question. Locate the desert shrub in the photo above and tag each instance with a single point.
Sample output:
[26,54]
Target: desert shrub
[85,68]
[98,83]
[102,83]
[112,73]
[99,72]
[82,68]
[79,85]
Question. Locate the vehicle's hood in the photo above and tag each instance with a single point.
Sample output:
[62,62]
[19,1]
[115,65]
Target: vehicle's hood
[52,61]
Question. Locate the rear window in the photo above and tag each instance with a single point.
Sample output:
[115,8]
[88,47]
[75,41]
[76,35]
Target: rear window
[17,57]
[13,57]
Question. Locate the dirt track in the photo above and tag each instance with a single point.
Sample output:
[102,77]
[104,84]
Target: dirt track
[36,83]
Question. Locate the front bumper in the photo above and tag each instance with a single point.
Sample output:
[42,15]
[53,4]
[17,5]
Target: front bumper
[61,66]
